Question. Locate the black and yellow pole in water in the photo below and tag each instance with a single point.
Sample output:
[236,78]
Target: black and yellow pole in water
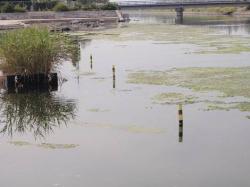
[91,62]
[180,117]
[113,70]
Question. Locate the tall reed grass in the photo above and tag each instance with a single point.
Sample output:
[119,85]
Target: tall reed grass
[33,50]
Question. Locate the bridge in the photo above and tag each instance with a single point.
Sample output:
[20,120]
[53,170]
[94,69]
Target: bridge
[180,5]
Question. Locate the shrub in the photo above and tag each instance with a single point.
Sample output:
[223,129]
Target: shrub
[109,6]
[32,50]
[60,7]
[7,8]
[228,10]
[18,8]
[44,5]
[90,7]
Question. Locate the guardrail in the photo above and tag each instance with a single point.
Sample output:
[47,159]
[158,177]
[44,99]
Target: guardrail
[181,2]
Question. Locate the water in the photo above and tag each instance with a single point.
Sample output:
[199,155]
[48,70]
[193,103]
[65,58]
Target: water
[91,134]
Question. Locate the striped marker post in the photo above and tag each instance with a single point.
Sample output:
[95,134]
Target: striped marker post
[113,70]
[91,62]
[180,116]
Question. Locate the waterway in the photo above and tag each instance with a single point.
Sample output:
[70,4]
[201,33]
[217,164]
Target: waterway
[97,132]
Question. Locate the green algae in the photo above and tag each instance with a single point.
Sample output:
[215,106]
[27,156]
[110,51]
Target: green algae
[173,98]
[229,81]
[241,106]
[20,143]
[220,106]
[57,146]
[132,128]
[98,110]
[209,40]
[44,145]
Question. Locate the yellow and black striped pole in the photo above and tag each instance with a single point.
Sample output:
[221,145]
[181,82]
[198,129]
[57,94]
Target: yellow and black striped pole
[113,70]
[91,62]
[180,117]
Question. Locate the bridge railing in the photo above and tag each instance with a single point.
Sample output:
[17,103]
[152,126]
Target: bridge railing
[169,2]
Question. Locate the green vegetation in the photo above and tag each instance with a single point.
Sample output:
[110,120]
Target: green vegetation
[19,143]
[7,8]
[44,145]
[208,41]
[98,110]
[231,82]
[58,146]
[19,9]
[109,6]
[23,6]
[227,10]
[60,7]
[241,106]
[215,10]
[91,6]
[95,6]
[33,50]
[173,98]
[55,5]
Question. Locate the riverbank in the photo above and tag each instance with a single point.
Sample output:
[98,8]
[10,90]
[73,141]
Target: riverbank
[204,11]
[64,21]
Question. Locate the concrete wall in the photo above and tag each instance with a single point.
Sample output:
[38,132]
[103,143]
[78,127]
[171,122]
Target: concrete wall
[57,15]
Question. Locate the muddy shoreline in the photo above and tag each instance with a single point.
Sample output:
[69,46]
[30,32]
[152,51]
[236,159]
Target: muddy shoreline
[63,21]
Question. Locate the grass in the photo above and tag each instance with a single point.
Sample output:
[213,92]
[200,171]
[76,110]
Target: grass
[32,50]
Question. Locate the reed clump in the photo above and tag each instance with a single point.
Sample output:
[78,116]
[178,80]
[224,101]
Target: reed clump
[32,50]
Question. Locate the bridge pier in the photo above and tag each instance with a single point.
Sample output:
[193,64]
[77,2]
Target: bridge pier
[179,14]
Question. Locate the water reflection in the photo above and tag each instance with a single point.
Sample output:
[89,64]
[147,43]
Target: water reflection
[36,113]
[114,77]
[76,52]
[180,117]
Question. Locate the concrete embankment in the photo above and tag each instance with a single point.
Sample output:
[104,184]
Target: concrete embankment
[73,20]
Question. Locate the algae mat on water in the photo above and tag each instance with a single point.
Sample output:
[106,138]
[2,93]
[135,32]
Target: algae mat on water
[208,40]
[231,82]
[174,98]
